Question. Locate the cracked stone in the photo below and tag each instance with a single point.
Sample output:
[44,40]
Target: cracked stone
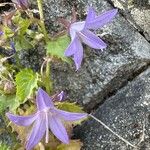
[102,73]
[127,113]
[137,13]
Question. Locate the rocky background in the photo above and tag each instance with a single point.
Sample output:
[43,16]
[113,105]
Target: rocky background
[113,85]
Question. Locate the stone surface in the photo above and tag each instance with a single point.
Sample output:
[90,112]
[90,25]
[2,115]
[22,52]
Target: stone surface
[127,113]
[102,73]
[138,13]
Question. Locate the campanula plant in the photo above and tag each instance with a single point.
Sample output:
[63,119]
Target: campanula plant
[30,107]
[47,117]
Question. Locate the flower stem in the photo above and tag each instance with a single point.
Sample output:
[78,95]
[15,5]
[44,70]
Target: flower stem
[48,81]
[39,2]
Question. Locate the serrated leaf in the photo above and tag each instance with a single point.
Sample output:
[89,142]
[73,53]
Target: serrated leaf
[73,145]
[58,46]
[26,81]
[8,101]
[71,107]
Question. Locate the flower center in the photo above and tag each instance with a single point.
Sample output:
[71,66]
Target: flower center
[76,27]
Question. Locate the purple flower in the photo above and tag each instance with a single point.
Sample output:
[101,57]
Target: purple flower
[47,117]
[1,33]
[12,45]
[80,32]
[59,97]
[21,3]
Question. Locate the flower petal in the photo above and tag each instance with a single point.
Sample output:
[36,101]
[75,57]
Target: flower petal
[37,133]
[72,48]
[22,120]
[78,56]
[75,49]
[102,19]
[70,116]
[43,100]
[76,27]
[61,96]
[90,15]
[92,40]
[58,129]
[22,3]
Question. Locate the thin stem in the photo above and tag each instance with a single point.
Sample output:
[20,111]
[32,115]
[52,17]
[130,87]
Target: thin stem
[39,2]
[48,81]
[121,138]
[42,67]
[40,9]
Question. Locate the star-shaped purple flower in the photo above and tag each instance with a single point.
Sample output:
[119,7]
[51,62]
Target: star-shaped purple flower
[80,32]
[47,117]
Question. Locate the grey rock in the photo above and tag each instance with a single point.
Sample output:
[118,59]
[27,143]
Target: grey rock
[127,113]
[142,18]
[102,73]
[32,58]
[136,12]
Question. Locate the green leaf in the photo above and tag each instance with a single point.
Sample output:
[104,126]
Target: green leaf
[71,107]
[8,101]
[7,32]
[21,23]
[16,18]
[58,46]
[3,146]
[21,40]
[26,81]
[23,26]
[21,43]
